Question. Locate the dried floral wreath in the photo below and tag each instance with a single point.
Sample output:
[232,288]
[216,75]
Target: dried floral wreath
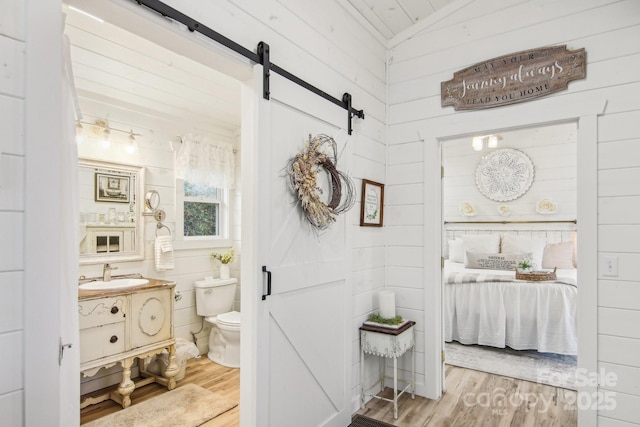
[302,171]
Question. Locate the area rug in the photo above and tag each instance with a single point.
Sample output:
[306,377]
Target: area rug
[545,368]
[362,421]
[186,406]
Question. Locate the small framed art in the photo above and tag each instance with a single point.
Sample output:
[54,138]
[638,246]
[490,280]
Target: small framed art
[372,205]
[112,188]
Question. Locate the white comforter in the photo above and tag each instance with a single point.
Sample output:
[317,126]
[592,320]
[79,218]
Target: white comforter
[521,315]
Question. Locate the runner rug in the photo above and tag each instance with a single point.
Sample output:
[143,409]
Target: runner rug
[186,406]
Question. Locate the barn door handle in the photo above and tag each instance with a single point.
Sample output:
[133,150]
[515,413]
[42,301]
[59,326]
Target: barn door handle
[264,270]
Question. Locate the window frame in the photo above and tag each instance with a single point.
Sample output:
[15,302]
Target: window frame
[199,242]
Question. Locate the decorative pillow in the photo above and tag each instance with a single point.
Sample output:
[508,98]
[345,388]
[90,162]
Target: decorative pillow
[512,244]
[487,243]
[456,250]
[493,261]
[558,255]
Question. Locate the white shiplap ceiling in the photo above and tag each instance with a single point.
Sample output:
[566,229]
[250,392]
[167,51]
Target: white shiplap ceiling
[114,67]
[390,17]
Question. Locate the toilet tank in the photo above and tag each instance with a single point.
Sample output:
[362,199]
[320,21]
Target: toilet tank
[214,297]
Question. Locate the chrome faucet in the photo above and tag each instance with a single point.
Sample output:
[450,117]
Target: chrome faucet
[106,272]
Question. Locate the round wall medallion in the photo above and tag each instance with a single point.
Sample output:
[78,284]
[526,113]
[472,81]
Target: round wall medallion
[505,175]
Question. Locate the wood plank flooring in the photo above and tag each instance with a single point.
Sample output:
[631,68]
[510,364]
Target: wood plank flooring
[203,372]
[472,398]
[475,398]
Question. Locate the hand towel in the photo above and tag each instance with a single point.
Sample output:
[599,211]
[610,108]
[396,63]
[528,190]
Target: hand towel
[164,253]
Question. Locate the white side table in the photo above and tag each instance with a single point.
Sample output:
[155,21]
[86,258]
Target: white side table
[388,343]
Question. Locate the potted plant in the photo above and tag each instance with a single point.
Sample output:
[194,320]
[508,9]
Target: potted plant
[225,259]
[525,265]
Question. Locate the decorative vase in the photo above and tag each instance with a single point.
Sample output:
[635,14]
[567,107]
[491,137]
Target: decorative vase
[224,271]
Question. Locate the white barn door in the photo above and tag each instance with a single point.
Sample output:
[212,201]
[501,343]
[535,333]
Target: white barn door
[303,325]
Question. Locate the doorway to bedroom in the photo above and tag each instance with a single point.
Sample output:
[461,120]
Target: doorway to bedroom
[509,199]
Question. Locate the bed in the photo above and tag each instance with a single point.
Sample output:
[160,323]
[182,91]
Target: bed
[487,306]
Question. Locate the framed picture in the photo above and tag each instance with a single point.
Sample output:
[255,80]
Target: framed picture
[372,205]
[112,188]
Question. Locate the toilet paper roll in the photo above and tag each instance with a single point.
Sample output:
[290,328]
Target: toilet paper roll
[387,303]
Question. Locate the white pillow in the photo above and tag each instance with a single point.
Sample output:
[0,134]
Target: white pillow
[493,261]
[558,255]
[488,243]
[512,244]
[456,251]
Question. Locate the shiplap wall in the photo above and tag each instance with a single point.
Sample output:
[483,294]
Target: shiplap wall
[12,160]
[552,150]
[322,43]
[484,29]
[156,155]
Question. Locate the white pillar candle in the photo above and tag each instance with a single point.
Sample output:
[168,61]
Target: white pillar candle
[387,303]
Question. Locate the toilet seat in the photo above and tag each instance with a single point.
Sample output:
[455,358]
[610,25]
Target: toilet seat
[231,318]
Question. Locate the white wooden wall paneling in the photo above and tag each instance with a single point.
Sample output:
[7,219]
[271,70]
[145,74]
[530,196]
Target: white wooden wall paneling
[12,71]
[620,293]
[369,148]
[626,409]
[12,19]
[327,21]
[599,77]
[11,182]
[11,313]
[619,350]
[427,85]
[619,182]
[11,130]
[404,154]
[148,73]
[419,51]
[318,68]
[114,44]
[618,210]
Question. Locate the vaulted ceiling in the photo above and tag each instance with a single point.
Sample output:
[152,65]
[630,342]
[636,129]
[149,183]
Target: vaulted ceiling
[390,17]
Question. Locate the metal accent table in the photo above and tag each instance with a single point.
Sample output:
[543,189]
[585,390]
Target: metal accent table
[388,343]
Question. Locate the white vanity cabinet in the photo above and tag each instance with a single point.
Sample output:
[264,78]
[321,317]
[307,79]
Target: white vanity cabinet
[119,326]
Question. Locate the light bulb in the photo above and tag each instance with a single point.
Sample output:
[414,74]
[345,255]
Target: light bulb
[476,143]
[492,141]
[79,136]
[104,142]
[132,147]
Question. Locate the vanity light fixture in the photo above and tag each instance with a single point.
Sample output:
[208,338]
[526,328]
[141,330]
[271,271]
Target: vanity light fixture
[102,131]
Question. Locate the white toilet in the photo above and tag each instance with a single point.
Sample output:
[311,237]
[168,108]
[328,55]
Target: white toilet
[214,300]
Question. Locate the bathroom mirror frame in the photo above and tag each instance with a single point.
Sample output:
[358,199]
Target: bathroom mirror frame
[137,198]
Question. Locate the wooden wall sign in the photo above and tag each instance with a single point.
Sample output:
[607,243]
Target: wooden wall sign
[514,78]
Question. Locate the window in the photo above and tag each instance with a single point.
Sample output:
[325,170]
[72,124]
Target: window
[201,208]
[202,214]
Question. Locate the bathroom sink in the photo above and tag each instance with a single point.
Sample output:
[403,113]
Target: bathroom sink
[112,284]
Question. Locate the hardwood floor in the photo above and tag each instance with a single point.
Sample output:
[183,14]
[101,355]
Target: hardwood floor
[472,398]
[475,398]
[203,372]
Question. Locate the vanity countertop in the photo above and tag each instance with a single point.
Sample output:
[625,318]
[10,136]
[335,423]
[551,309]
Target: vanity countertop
[153,284]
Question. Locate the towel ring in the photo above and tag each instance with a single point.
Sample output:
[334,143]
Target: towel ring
[161,225]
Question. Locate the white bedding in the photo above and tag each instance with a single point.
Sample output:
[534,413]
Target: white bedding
[521,315]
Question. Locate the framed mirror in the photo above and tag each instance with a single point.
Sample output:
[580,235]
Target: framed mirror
[111,225]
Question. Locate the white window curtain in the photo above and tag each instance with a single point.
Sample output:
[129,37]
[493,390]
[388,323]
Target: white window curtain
[202,161]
